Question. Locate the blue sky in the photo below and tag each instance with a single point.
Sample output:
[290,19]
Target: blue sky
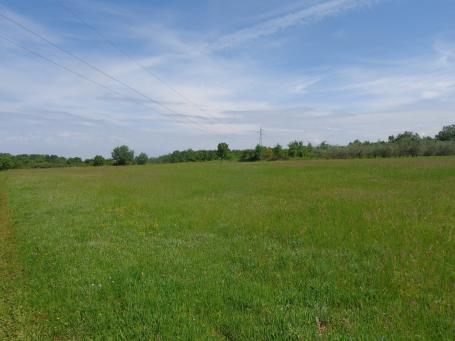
[313,70]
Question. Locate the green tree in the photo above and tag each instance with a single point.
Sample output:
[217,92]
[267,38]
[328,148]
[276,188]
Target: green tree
[98,161]
[223,151]
[258,152]
[278,152]
[74,161]
[408,143]
[142,159]
[247,155]
[123,155]
[6,162]
[308,151]
[324,145]
[262,153]
[295,149]
[447,133]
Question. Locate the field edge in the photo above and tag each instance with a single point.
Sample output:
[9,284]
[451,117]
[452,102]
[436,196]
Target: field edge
[9,270]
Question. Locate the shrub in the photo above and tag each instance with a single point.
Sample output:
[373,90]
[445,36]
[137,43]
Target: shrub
[6,162]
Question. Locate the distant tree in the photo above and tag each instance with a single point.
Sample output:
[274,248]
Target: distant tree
[223,151]
[6,162]
[190,155]
[295,149]
[278,152]
[308,150]
[122,156]
[267,154]
[408,143]
[262,153]
[406,137]
[447,133]
[74,161]
[247,155]
[98,161]
[324,145]
[142,159]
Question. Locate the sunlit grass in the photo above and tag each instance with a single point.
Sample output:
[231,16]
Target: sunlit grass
[290,250]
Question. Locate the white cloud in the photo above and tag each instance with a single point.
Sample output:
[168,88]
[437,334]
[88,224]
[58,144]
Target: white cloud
[304,16]
[304,85]
[236,94]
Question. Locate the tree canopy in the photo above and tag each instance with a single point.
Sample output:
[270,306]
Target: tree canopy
[122,156]
[447,133]
[6,162]
[223,151]
[142,159]
[98,161]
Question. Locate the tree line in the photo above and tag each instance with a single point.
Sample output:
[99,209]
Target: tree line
[407,144]
[120,156]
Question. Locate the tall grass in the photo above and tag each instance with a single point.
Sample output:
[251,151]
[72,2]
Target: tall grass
[285,250]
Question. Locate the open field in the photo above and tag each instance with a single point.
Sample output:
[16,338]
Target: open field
[285,250]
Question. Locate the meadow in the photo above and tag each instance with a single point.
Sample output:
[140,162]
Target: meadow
[223,250]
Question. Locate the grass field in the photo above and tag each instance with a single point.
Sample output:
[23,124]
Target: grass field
[291,250]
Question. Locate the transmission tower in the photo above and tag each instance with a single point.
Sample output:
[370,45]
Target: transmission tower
[261,135]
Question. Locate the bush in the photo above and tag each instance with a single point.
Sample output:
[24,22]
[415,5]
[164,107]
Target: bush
[6,162]
[247,155]
[98,161]
[279,153]
[142,159]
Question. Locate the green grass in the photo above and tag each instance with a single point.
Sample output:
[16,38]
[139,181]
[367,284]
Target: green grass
[291,250]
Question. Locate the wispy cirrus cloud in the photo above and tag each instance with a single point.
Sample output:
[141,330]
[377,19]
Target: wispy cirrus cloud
[307,15]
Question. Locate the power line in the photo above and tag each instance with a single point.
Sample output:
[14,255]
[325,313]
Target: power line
[61,66]
[148,98]
[127,55]
[74,56]
[71,71]
[115,46]
[67,69]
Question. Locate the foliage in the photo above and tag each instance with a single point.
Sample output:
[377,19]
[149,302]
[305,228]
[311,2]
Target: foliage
[279,153]
[142,159]
[447,133]
[263,153]
[223,151]
[6,162]
[74,162]
[248,155]
[295,149]
[187,156]
[406,144]
[123,156]
[98,161]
